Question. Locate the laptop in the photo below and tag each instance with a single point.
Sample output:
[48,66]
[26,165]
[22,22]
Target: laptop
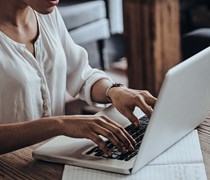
[183,103]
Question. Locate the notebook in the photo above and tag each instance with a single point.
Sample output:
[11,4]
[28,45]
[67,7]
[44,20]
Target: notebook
[182,161]
[183,103]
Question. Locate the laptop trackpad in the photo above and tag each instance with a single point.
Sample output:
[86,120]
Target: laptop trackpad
[65,147]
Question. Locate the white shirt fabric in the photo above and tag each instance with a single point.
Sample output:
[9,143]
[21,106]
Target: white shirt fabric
[33,87]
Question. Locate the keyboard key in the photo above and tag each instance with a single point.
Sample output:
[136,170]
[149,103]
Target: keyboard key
[99,153]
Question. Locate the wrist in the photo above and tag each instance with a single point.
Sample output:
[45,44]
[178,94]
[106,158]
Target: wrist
[111,88]
[57,125]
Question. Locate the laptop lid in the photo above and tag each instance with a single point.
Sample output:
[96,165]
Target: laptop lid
[183,103]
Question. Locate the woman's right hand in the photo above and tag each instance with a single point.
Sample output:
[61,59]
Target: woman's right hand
[91,126]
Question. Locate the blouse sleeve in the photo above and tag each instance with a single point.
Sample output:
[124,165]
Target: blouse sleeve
[80,76]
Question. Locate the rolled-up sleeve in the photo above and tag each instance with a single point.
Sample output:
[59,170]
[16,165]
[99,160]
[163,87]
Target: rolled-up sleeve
[80,76]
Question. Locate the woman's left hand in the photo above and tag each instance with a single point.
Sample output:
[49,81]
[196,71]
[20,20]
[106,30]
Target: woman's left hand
[125,100]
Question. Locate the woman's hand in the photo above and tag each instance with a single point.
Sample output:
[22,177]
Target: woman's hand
[125,100]
[78,126]
[92,126]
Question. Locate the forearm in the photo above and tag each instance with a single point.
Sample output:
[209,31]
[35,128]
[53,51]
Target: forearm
[19,135]
[98,91]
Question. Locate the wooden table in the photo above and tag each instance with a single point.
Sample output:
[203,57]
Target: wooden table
[21,165]
[204,136]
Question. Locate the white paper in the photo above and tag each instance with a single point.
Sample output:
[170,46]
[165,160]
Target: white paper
[185,151]
[162,172]
[183,161]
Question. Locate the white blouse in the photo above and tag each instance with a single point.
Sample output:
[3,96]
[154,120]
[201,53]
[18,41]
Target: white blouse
[33,87]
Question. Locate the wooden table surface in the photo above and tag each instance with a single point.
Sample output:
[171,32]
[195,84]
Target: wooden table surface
[204,136]
[21,165]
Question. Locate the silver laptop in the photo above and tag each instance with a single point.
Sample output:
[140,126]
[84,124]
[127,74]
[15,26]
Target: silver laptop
[183,103]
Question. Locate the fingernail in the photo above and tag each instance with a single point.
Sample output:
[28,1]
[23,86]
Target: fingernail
[136,124]
[124,149]
[109,153]
[131,148]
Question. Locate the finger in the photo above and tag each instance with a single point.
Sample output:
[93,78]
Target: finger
[151,100]
[101,144]
[132,141]
[112,137]
[122,135]
[127,112]
[148,97]
[144,106]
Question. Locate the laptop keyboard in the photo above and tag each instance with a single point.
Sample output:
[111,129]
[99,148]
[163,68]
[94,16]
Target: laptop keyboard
[136,133]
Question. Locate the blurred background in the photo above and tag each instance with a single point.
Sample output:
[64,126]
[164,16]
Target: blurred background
[100,25]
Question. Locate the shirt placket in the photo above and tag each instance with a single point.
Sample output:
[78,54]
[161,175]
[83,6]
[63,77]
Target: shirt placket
[36,64]
[44,87]
[46,101]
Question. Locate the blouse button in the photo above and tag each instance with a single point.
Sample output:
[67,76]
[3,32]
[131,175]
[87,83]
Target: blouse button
[46,115]
[45,102]
[45,108]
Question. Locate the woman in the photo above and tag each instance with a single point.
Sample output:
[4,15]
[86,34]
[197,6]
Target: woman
[38,63]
